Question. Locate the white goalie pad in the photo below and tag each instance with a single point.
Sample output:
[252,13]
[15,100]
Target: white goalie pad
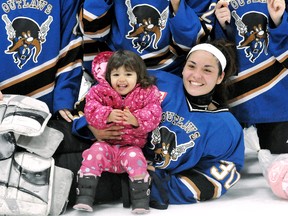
[26,185]
[44,145]
[27,182]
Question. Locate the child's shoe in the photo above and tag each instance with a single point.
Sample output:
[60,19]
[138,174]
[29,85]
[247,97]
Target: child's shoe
[86,192]
[140,196]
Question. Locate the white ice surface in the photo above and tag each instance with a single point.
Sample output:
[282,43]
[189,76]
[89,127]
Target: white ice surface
[250,196]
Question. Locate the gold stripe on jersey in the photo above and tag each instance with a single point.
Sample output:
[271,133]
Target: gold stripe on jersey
[92,26]
[200,185]
[255,82]
[41,90]
[42,77]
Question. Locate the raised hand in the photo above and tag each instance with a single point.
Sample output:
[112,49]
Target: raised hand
[276,10]
[175,5]
[223,13]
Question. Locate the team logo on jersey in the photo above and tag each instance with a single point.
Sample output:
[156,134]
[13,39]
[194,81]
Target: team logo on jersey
[252,27]
[26,38]
[164,144]
[147,24]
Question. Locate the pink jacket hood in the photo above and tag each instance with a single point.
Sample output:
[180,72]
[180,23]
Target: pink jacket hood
[99,65]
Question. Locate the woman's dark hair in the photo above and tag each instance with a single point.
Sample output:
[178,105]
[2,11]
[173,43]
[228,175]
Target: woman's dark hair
[132,62]
[223,90]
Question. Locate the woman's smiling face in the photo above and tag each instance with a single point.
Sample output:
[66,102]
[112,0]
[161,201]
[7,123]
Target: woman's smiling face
[201,73]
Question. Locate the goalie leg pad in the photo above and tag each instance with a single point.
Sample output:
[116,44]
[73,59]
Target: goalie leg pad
[28,185]
[63,181]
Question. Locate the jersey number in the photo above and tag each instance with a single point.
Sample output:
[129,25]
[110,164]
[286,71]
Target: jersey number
[224,170]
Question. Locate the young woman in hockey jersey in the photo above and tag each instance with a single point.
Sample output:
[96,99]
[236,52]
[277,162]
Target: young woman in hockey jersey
[161,32]
[259,30]
[198,149]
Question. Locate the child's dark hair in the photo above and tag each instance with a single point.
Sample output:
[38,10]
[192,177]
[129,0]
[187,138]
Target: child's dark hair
[228,49]
[132,62]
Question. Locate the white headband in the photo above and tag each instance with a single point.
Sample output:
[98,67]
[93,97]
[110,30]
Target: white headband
[213,50]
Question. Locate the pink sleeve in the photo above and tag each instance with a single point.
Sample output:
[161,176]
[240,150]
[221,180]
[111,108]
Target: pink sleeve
[149,116]
[96,113]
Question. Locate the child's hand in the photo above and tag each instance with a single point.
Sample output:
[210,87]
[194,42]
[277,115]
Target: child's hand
[129,118]
[116,116]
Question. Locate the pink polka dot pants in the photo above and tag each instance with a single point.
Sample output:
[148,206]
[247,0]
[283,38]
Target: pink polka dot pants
[101,157]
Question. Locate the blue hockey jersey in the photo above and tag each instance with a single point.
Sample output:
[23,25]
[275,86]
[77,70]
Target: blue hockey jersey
[41,53]
[197,153]
[260,90]
[148,28]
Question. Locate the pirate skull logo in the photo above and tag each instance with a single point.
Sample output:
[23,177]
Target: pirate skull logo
[253,30]
[147,25]
[26,38]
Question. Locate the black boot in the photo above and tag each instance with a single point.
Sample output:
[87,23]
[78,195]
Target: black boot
[140,196]
[86,192]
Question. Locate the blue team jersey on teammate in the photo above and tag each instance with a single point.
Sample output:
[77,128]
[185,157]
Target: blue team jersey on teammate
[41,52]
[149,28]
[260,92]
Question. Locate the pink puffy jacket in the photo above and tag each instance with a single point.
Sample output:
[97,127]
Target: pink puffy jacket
[144,104]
